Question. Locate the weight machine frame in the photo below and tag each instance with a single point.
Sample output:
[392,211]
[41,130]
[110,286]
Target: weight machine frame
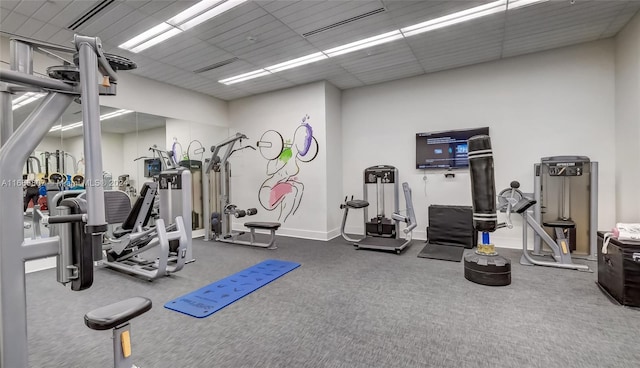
[15,148]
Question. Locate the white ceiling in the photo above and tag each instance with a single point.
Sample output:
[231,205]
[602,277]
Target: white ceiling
[277,27]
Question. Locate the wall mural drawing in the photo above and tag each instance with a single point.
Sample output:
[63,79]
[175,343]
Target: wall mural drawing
[283,190]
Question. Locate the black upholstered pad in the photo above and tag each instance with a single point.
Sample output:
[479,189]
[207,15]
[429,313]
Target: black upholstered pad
[263,225]
[561,223]
[357,203]
[523,205]
[112,315]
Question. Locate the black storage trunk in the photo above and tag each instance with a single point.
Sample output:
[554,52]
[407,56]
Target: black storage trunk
[618,272]
[452,225]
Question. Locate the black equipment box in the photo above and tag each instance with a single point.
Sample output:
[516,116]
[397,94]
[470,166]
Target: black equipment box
[452,225]
[619,271]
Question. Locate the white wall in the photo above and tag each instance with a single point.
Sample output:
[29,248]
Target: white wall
[627,127]
[152,97]
[282,111]
[334,178]
[559,102]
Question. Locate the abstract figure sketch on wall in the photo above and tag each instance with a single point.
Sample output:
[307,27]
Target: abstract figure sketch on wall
[283,189]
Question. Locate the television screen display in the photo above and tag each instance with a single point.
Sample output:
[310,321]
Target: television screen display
[152,167]
[445,150]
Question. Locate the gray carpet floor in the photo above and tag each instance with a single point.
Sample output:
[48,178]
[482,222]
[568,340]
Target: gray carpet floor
[343,308]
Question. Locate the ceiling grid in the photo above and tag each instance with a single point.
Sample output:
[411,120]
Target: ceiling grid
[264,33]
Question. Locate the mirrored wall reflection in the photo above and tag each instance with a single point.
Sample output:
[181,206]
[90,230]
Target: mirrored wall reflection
[135,148]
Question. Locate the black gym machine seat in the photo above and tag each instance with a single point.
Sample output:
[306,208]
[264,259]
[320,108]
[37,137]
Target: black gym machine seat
[357,203]
[116,316]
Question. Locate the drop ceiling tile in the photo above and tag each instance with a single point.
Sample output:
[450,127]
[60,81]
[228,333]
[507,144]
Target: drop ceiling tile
[351,33]
[264,84]
[397,52]
[62,37]
[404,14]
[30,27]
[560,16]
[72,12]
[8,5]
[388,73]
[12,22]
[163,10]
[121,34]
[263,31]
[105,18]
[311,72]
[131,19]
[461,58]
[230,70]
[622,19]
[331,12]
[172,46]
[193,54]
[278,52]
[137,4]
[46,31]
[208,60]
[345,81]
[49,9]
[234,23]
[274,6]
[28,7]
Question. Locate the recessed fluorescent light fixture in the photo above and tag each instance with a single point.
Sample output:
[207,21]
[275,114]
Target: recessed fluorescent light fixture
[312,58]
[106,116]
[444,21]
[187,19]
[179,20]
[363,44]
[454,18]
[26,99]
[514,4]
[244,77]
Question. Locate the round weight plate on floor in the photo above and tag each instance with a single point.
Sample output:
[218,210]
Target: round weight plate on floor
[487,270]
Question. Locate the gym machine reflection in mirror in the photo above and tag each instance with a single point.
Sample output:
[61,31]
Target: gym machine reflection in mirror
[81,223]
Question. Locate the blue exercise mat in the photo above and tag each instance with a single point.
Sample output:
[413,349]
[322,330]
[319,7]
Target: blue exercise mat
[213,297]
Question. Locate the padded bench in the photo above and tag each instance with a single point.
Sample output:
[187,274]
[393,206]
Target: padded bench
[116,316]
[271,226]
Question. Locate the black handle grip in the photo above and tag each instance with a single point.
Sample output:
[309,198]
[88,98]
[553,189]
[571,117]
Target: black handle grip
[64,219]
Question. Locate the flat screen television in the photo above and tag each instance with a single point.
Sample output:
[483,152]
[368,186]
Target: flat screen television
[152,167]
[445,150]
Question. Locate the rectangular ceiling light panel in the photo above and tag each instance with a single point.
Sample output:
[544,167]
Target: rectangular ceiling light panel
[245,76]
[514,4]
[308,59]
[187,19]
[363,44]
[210,14]
[458,17]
